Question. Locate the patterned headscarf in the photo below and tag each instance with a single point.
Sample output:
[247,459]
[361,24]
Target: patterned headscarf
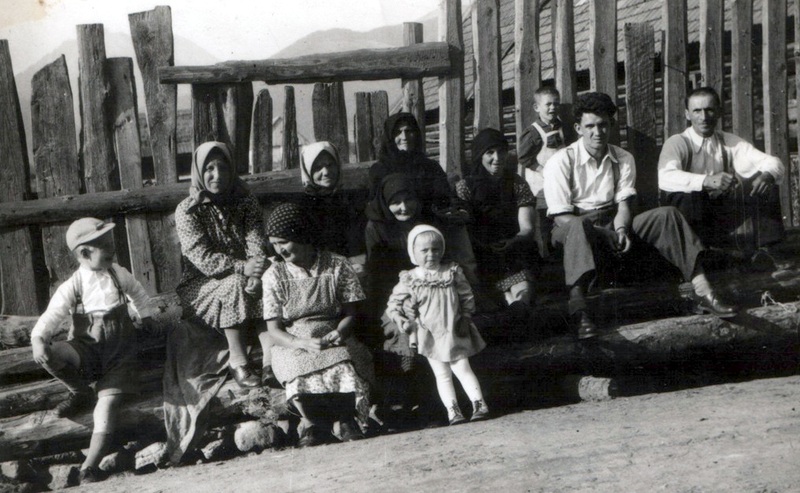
[197,191]
[416,231]
[310,154]
[290,222]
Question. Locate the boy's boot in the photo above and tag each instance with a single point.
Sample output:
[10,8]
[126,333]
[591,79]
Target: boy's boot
[80,396]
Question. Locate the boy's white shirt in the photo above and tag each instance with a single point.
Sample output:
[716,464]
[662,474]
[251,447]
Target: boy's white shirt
[98,293]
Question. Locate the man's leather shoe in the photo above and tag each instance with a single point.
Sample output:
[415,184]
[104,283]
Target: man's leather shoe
[586,328]
[349,431]
[312,436]
[711,304]
[244,377]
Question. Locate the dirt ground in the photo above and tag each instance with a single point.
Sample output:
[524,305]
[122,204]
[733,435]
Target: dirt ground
[732,437]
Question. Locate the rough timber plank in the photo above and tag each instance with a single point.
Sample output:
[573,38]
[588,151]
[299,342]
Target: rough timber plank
[486,61]
[527,63]
[330,117]
[742,66]
[290,146]
[413,92]
[262,133]
[711,27]
[675,73]
[451,91]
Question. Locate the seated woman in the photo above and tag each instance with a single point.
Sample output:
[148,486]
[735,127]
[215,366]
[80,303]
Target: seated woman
[338,226]
[309,297]
[220,231]
[502,207]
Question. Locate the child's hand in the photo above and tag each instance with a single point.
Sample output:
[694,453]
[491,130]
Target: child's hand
[408,326]
[253,287]
[41,351]
[399,322]
[310,344]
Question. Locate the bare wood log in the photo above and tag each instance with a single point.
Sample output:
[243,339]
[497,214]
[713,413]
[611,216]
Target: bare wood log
[711,30]
[330,117]
[154,199]
[527,64]
[291,153]
[379,110]
[773,74]
[55,154]
[488,74]
[125,118]
[407,62]
[224,113]
[413,92]
[262,133]
[742,68]
[564,50]
[603,50]
[362,127]
[675,72]
[641,121]
[451,91]
[20,292]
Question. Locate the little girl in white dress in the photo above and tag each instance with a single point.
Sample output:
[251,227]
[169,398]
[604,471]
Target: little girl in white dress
[435,300]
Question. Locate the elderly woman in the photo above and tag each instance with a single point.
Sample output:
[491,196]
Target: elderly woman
[502,207]
[220,231]
[309,297]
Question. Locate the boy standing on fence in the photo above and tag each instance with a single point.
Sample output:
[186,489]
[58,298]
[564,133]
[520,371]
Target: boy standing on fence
[101,346]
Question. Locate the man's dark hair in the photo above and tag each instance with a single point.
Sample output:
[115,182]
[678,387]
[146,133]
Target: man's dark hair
[597,103]
[704,91]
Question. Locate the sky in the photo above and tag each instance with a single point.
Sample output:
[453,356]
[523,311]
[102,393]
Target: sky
[245,29]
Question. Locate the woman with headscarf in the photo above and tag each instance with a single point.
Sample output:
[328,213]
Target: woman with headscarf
[338,226]
[223,246]
[309,298]
[502,207]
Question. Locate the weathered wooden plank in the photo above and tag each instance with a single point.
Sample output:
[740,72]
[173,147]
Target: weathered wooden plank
[55,154]
[413,92]
[261,140]
[125,120]
[17,282]
[775,96]
[793,171]
[742,67]
[711,31]
[488,84]
[527,63]
[603,50]
[641,121]
[675,72]
[330,117]
[362,127]
[97,149]
[564,50]
[451,91]
[379,109]
[406,62]
[151,32]
[291,153]
[154,199]
[223,112]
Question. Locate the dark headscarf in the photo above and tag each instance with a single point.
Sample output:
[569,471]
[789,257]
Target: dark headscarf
[389,151]
[391,185]
[198,192]
[290,222]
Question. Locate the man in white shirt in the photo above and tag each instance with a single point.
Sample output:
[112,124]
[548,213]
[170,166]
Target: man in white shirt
[589,187]
[725,187]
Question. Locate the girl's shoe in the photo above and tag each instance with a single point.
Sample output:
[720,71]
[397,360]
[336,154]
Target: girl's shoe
[349,431]
[480,410]
[244,377]
[455,415]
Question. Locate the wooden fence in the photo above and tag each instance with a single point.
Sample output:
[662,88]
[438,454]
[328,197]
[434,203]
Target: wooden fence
[101,175]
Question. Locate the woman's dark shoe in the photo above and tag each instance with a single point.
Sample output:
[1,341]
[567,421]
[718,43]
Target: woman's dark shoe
[312,436]
[586,328]
[711,304]
[349,431]
[268,378]
[90,475]
[75,403]
[244,377]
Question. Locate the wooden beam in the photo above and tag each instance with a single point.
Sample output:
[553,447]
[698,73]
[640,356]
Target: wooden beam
[330,117]
[451,91]
[406,62]
[413,91]
[55,154]
[19,289]
[154,199]
[675,72]
[742,67]
[488,75]
[125,120]
[641,120]
[711,29]
[291,152]
[603,50]
[262,133]
[527,64]
[773,74]
[564,50]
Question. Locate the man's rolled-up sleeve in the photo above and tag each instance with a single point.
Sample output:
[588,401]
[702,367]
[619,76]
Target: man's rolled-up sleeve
[557,191]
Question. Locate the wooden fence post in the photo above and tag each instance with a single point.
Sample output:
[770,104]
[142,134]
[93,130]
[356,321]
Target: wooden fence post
[564,50]
[640,95]
[487,73]
[125,120]
[675,71]
[223,112]
[291,153]
[742,68]
[773,74]
[451,91]
[362,128]
[527,64]
[55,154]
[711,29]
[603,52]
[19,289]
[330,117]
[261,140]
[413,92]
[791,167]
[379,110]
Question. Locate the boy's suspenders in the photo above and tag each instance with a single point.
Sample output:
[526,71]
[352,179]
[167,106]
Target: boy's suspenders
[78,289]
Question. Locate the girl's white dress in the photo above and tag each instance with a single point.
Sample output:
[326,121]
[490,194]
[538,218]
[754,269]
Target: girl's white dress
[438,301]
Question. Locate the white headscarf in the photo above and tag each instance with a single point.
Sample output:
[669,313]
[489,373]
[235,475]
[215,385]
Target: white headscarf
[416,231]
[308,156]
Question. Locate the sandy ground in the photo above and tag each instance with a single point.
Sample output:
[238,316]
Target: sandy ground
[740,437]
